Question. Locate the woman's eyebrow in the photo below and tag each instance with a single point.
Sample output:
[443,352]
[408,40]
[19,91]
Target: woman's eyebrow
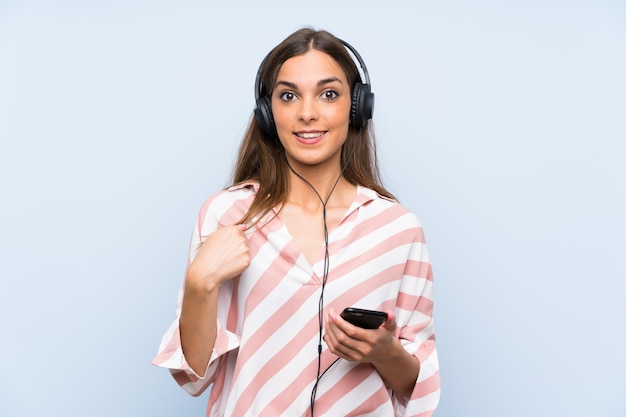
[287,84]
[328,81]
[319,83]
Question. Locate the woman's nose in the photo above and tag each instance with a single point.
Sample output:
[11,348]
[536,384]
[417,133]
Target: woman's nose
[308,110]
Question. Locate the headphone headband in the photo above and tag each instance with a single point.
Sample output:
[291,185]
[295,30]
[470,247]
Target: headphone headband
[356,54]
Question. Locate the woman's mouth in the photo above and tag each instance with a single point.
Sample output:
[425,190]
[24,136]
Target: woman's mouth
[310,137]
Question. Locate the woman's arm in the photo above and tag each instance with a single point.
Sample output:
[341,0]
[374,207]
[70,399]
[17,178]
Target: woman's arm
[198,328]
[223,255]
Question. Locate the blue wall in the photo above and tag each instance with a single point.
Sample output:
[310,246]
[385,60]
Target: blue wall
[501,124]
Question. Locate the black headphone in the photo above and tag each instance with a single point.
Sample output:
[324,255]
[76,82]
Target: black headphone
[362,101]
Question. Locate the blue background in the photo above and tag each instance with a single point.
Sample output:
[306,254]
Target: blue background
[500,123]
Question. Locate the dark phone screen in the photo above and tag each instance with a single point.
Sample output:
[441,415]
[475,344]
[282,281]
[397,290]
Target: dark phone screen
[366,319]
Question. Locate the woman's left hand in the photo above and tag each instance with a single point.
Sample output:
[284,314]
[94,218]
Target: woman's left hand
[353,343]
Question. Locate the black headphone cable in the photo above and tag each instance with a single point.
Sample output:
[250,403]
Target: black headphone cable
[326,267]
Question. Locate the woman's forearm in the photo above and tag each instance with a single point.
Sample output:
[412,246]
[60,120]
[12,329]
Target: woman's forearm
[198,328]
[399,369]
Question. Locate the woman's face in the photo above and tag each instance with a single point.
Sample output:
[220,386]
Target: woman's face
[311,108]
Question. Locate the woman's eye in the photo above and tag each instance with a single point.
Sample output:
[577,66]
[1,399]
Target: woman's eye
[287,96]
[330,95]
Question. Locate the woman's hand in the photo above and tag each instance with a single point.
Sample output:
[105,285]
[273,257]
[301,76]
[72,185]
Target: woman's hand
[223,255]
[398,368]
[353,343]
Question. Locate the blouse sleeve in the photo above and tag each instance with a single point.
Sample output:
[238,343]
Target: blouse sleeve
[170,354]
[417,334]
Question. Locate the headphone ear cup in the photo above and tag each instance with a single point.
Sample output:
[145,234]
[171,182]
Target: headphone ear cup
[264,117]
[362,106]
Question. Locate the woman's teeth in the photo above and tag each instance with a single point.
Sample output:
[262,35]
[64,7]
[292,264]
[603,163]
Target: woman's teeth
[310,135]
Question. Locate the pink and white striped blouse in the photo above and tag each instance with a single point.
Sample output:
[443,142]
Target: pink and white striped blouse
[264,362]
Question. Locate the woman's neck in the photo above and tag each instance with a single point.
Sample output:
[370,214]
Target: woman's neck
[319,189]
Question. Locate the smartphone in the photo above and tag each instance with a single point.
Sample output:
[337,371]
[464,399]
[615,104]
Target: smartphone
[366,319]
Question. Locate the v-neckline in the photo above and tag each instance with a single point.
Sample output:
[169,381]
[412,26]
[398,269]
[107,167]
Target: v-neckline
[320,252]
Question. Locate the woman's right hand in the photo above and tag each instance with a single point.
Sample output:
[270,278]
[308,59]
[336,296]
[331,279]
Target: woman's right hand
[223,255]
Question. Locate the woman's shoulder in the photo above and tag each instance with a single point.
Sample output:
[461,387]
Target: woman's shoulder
[245,188]
[230,204]
[390,208]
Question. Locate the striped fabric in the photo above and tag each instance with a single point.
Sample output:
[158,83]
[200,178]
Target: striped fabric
[264,362]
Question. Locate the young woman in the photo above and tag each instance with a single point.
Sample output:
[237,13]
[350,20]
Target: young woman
[306,230]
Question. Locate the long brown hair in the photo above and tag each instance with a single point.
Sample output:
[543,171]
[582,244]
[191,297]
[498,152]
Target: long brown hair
[262,158]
